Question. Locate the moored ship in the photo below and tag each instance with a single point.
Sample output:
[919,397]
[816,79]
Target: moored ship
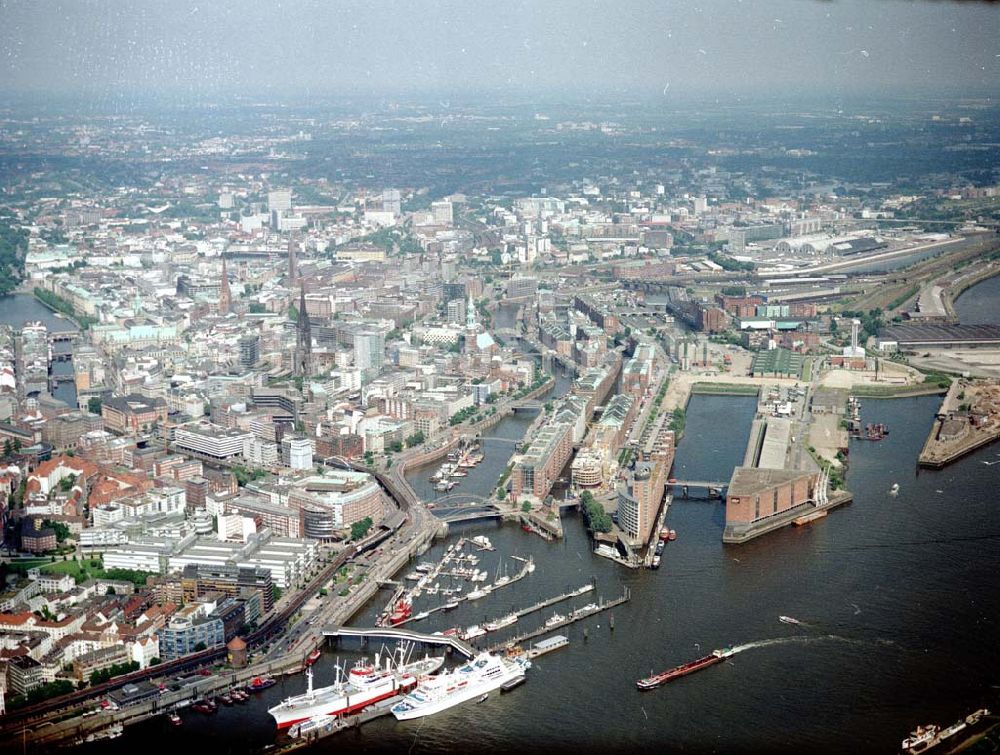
[401,612]
[365,684]
[478,677]
[924,738]
[503,621]
[654,681]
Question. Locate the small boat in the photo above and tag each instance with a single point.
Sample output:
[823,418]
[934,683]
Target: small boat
[450,605]
[484,698]
[788,620]
[422,615]
[313,656]
[503,621]
[225,700]
[673,535]
[515,682]
[472,632]
[555,619]
[174,719]
[894,490]
[261,683]
[204,706]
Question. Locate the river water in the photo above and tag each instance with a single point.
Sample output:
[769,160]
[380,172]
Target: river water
[896,596]
[978,305]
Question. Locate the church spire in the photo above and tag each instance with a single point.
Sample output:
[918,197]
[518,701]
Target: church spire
[303,338]
[470,314]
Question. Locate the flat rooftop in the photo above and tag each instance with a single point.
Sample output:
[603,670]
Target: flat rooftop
[913,333]
[750,481]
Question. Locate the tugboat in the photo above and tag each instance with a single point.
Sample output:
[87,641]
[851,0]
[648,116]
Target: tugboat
[401,612]
[258,684]
[204,706]
[313,657]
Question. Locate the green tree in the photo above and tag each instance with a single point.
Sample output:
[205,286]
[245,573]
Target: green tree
[94,405]
[61,529]
[8,447]
[526,507]
[199,647]
[360,529]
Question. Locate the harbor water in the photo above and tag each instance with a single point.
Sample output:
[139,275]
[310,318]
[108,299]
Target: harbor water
[896,595]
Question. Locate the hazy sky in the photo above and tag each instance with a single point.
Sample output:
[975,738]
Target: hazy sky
[464,46]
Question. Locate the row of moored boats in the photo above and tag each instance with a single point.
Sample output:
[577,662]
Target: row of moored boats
[420,690]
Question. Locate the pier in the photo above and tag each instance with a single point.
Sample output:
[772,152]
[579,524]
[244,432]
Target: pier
[542,605]
[573,617]
[395,633]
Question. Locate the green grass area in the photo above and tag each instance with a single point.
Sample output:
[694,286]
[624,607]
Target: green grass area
[897,391]
[728,388]
[903,297]
[93,568]
[807,368]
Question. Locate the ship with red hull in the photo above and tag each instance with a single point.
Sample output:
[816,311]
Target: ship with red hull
[365,684]
[654,681]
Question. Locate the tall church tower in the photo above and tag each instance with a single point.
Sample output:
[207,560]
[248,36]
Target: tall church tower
[303,338]
[225,297]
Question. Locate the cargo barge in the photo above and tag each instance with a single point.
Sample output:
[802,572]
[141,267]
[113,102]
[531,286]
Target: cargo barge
[654,681]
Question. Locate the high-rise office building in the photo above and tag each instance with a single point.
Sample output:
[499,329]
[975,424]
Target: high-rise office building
[369,350]
[249,350]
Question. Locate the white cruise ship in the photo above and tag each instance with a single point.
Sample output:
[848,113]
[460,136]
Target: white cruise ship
[484,673]
[365,684]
